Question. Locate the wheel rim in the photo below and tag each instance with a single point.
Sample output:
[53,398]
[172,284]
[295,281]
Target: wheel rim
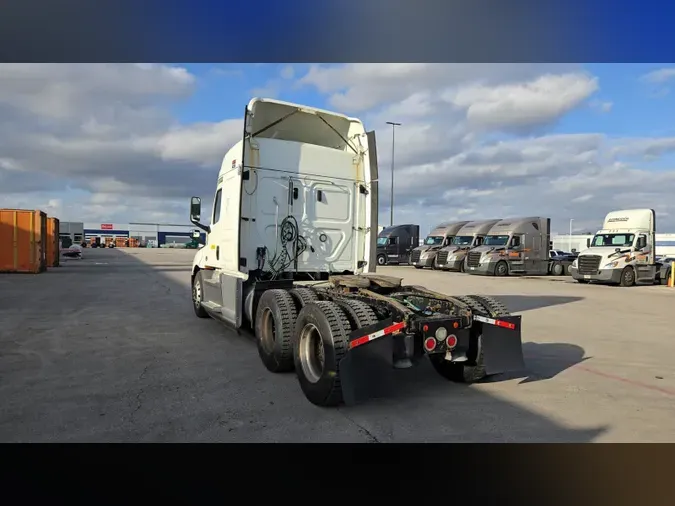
[380,260]
[197,294]
[311,353]
[628,277]
[268,331]
[501,269]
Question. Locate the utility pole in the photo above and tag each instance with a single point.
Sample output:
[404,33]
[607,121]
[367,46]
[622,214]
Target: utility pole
[393,139]
[569,248]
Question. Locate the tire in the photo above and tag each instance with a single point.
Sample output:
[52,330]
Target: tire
[462,269]
[321,340]
[419,267]
[358,313]
[664,281]
[627,277]
[582,281]
[557,269]
[197,294]
[434,264]
[381,260]
[303,296]
[501,269]
[460,372]
[274,328]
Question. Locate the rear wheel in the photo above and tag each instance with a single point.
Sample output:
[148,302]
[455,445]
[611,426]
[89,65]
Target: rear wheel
[197,295]
[358,313]
[274,327]
[321,340]
[664,280]
[303,296]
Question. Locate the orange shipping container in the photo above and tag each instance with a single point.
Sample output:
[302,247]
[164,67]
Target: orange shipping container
[53,250]
[23,235]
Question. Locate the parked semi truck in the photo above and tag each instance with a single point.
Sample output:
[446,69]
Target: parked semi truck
[517,246]
[291,254]
[623,252]
[395,244]
[471,235]
[439,237]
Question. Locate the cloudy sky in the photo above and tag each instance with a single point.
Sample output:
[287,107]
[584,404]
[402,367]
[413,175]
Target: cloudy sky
[124,142]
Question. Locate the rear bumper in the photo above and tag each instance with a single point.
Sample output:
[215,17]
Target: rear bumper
[602,276]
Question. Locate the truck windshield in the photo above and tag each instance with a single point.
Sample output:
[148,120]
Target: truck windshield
[381,241]
[496,240]
[615,240]
[462,240]
[433,240]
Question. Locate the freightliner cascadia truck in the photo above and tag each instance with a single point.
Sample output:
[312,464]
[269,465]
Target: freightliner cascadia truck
[516,246]
[441,235]
[290,254]
[395,244]
[471,235]
[623,252]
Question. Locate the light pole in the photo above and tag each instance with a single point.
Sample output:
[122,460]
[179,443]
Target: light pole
[570,242]
[393,139]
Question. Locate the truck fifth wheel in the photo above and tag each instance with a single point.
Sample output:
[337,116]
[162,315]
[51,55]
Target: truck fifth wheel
[291,254]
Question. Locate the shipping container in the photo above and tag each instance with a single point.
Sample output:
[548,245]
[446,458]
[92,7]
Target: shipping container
[23,235]
[53,248]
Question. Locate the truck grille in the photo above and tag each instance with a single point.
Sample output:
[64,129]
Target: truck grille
[415,257]
[443,257]
[589,264]
[473,259]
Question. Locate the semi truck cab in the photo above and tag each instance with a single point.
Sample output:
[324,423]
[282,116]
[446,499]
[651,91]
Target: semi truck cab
[471,235]
[513,246]
[622,252]
[440,237]
[395,244]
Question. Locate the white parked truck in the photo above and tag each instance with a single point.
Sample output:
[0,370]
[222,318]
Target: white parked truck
[291,254]
[622,253]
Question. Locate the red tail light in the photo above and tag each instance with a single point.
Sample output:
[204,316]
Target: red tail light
[430,343]
[451,341]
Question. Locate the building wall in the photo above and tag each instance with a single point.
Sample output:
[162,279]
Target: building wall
[144,232]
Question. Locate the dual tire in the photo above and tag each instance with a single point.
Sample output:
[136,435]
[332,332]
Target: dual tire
[295,330]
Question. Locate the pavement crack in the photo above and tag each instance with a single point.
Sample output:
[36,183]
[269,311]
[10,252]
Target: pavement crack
[141,391]
[372,438]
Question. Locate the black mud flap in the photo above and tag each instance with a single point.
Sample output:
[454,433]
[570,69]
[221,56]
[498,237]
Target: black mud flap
[366,371]
[503,347]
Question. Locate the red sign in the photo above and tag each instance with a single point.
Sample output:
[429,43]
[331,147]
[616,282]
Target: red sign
[106,226]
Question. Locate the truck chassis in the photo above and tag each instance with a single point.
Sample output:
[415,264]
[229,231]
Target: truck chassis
[342,336]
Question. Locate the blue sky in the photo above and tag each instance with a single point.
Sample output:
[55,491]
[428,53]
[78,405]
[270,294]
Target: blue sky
[125,142]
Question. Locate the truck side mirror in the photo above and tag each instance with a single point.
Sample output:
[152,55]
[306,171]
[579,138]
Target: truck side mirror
[588,243]
[195,209]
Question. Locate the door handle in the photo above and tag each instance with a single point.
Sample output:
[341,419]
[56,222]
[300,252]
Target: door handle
[217,252]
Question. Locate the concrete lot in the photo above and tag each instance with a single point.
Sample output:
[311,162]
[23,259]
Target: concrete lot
[108,349]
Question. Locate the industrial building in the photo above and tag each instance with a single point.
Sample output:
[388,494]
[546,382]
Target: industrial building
[150,234]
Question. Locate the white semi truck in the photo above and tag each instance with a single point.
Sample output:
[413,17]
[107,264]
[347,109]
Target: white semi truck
[622,253]
[291,254]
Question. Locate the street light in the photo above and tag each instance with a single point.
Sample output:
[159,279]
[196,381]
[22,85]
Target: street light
[393,139]
[570,242]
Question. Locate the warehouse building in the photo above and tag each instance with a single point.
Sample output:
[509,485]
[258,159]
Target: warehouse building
[152,234]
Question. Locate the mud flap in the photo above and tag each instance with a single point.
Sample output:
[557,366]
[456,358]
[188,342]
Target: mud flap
[366,371]
[503,347]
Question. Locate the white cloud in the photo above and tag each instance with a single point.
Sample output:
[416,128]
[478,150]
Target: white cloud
[98,142]
[659,76]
